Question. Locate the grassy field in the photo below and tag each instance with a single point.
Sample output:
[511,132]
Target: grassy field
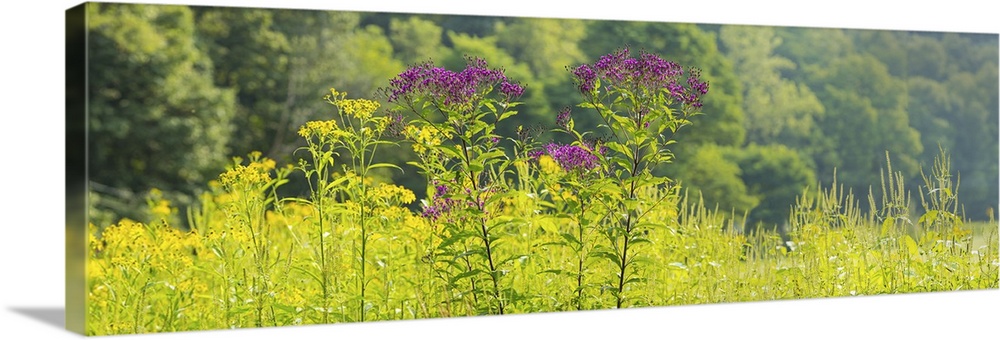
[289,262]
[508,230]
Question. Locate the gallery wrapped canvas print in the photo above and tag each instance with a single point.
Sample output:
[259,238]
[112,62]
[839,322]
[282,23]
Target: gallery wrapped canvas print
[256,167]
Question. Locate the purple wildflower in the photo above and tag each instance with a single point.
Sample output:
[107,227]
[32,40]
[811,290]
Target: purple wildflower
[431,212]
[439,203]
[585,77]
[697,88]
[648,72]
[562,119]
[451,88]
[511,90]
[396,126]
[571,157]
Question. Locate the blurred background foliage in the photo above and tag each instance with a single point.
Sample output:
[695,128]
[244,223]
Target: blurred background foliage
[176,91]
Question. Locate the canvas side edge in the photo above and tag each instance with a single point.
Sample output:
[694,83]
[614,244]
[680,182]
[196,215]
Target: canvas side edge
[76,167]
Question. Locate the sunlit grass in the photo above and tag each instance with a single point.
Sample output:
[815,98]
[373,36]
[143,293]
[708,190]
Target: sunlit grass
[579,228]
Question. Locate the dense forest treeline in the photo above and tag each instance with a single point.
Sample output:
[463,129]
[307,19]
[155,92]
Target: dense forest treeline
[176,91]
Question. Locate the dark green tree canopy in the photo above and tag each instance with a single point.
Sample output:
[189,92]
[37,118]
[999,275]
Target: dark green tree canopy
[156,117]
[178,90]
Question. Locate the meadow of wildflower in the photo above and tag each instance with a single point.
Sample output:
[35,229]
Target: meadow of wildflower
[510,224]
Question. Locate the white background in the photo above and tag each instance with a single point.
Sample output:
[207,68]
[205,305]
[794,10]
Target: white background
[32,186]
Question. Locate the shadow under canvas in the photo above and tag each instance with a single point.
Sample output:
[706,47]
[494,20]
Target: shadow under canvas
[53,316]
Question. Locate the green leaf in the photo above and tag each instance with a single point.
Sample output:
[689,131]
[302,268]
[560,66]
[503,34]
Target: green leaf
[311,274]
[557,272]
[570,238]
[507,114]
[635,280]
[886,226]
[476,166]
[455,238]
[911,247]
[611,257]
[385,165]
[639,240]
[285,308]
[335,183]
[928,218]
[464,275]
[645,260]
[451,150]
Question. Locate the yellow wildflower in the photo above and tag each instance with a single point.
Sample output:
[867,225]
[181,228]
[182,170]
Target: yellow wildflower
[361,109]
[161,209]
[425,138]
[322,129]
[257,172]
[548,165]
[95,244]
[393,193]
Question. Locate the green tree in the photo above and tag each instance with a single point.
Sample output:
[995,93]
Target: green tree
[548,47]
[156,118]
[975,152]
[712,173]
[415,39]
[812,49]
[950,100]
[775,175]
[930,106]
[865,117]
[252,58]
[778,111]
[282,62]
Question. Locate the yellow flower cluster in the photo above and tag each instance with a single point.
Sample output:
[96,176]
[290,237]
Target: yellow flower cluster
[255,173]
[424,139]
[361,109]
[161,208]
[95,244]
[123,234]
[352,178]
[394,213]
[393,193]
[159,247]
[548,165]
[323,129]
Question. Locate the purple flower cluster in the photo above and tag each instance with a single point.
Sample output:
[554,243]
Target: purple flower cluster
[572,157]
[697,88]
[452,88]
[562,119]
[649,72]
[511,90]
[439,203]
[585,77]
[396,126]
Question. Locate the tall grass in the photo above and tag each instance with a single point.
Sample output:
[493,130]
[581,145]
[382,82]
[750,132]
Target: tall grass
[580,226]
